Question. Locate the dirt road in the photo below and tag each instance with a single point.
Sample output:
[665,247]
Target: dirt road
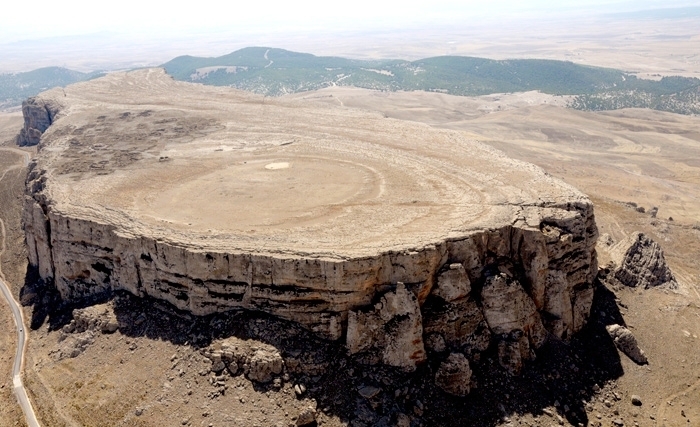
[18,386]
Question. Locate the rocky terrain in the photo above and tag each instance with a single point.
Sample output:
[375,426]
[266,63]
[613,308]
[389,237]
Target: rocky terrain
[12,175]
[163,365]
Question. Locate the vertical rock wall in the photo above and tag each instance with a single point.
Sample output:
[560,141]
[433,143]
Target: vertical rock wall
[38,114]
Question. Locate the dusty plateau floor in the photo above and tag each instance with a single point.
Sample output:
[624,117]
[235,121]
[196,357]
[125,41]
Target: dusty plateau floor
[150,372]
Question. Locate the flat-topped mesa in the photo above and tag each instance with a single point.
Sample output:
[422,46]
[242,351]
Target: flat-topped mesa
[410,242]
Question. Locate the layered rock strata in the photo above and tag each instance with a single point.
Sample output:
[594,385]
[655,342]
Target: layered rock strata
[640,262]
[38,115]
[411,243]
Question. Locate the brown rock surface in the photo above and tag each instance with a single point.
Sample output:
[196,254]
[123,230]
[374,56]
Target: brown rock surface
[640,262]
[454,375]
[391,333]
[259,362]
[627,343]
[513,318]
[213,199]
[38,115]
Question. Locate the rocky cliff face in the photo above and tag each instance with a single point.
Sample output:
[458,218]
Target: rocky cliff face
[469,250]
[38,115]
[512,286]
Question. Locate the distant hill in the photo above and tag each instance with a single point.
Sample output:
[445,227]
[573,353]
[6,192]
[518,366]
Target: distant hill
[276,72]
[14,88]
[673,94]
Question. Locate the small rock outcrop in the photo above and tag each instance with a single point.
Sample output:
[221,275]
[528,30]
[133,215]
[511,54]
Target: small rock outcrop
[640,263]
[307,417]
[99,317]
[391,333]
[80,333]
[257,361]
[454,375]
[38,114]
[627,343]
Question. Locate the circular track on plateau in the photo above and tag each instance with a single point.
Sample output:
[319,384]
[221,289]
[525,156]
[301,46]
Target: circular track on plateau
[218,169]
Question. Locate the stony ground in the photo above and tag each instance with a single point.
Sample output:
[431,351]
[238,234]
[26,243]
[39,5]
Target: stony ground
[154,371]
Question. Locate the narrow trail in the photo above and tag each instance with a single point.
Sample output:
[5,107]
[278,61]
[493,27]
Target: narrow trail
[664,403]
[18,151]
[18,317]
[268,59]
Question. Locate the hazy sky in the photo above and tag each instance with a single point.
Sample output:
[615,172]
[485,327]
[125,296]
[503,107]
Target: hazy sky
[47,18]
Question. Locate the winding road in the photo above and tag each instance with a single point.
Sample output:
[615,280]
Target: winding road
[18,317]
[19,390]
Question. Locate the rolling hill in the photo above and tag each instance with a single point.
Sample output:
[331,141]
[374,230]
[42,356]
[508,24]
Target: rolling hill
[14,88]
[274,72]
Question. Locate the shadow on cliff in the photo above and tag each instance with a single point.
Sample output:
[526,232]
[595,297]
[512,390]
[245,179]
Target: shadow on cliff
[564,376]
[47,306]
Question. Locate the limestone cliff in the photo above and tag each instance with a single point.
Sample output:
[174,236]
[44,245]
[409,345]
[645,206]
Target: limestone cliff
[38,115]
[528,276]
[468,250]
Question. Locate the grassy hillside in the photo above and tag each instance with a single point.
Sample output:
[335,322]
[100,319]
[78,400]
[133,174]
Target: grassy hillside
[14,88]
[276,72]
[672,94]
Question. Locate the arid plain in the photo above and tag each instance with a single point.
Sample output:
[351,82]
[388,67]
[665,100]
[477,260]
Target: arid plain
[621,159]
